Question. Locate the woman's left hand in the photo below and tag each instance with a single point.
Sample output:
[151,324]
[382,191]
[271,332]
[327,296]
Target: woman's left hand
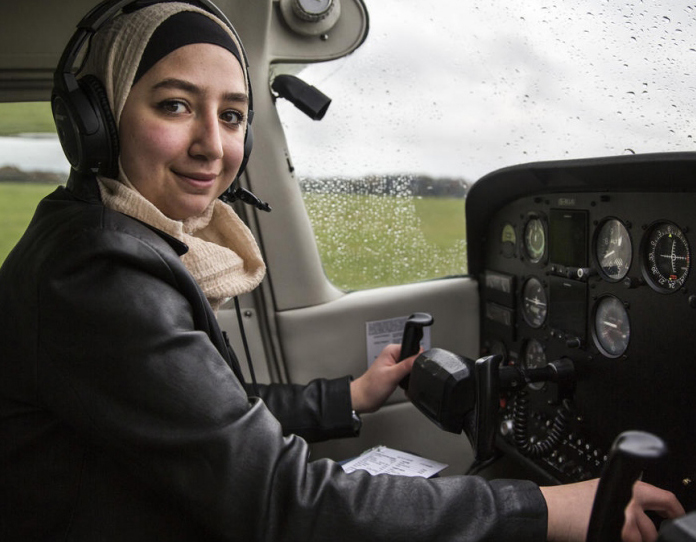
[570,506]
[373,388]
[639,527]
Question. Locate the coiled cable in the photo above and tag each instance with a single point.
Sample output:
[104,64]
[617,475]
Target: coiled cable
[539,448]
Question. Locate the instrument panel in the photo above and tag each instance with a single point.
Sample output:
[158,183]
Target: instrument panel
[593,265]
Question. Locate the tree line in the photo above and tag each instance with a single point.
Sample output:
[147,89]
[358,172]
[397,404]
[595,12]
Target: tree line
[11,174]
[387,185]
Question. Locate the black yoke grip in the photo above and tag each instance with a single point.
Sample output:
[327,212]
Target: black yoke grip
[630,454]
[410,341]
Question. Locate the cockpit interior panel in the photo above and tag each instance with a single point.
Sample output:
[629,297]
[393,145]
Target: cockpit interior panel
[591,261]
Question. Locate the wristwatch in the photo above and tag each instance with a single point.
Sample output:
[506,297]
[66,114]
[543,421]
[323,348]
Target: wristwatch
[357,422]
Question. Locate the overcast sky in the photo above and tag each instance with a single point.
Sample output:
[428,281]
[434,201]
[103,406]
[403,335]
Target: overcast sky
[460,88]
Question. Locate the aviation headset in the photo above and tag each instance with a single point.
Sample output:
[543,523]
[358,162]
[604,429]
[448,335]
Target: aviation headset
[86,126]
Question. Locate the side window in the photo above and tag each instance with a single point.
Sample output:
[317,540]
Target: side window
[384,209]
[438,96]
[380,230]
[31,166]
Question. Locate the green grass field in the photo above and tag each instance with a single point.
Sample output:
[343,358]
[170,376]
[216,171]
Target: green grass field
[371,241]
[364,241]
[28,117]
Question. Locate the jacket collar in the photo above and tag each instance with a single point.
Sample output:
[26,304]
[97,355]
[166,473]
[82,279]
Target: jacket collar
[84,187]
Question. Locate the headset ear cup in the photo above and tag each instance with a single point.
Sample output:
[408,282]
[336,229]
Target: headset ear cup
[67,130]
[104,145]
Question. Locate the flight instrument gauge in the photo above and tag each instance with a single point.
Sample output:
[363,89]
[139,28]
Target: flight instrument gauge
[534,357]
[666,257]
[612,329]
[535,239]
[534,302]
[508,240]
[613,250]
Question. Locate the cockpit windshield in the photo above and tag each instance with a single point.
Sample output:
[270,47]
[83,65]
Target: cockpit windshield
[440,94]
[459,89]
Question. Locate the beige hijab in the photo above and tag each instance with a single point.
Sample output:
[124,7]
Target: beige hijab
[223,256]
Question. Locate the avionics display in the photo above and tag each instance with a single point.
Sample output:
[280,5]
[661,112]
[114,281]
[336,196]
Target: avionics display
[568,238]
[568,306]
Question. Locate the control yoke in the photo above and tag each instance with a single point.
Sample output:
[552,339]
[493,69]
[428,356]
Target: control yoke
[630,454]
[482,434]
[458,394]
[413,334]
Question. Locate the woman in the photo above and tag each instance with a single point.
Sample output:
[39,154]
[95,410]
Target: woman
[123,413]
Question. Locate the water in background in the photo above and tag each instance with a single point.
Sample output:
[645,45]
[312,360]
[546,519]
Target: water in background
[33,152]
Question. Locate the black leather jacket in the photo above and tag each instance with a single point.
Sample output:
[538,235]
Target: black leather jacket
[123,416]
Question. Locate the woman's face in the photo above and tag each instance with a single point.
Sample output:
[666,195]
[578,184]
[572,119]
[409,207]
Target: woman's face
[182,129]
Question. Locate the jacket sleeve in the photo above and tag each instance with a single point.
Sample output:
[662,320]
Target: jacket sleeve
[133,374]
[319,410]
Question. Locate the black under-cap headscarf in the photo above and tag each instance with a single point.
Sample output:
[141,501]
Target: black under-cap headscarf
[183,28]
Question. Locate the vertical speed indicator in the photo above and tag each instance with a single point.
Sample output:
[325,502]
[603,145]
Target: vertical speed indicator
[666,257]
